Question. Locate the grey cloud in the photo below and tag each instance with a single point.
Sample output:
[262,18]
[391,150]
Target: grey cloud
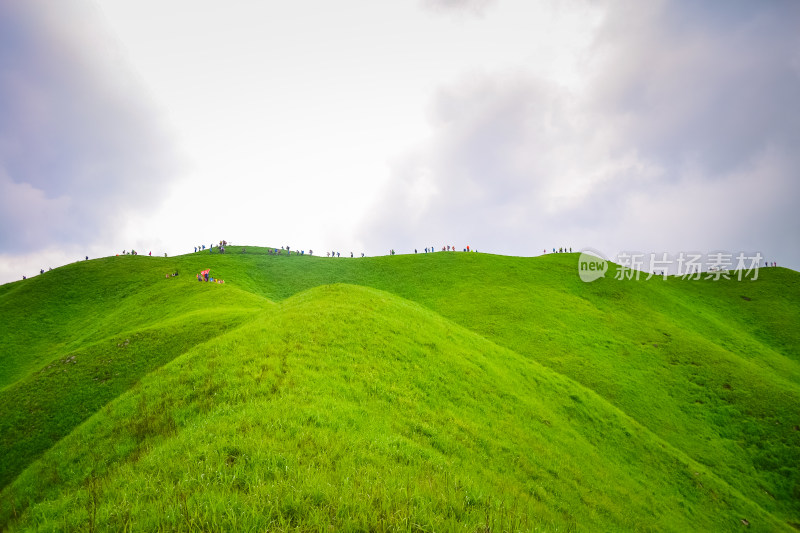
[685,140]
[704,86]
[486,176]
[81,145]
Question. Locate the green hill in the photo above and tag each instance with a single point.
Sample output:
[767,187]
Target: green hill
[445,391]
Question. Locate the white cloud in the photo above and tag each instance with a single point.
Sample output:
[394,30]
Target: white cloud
[477,7]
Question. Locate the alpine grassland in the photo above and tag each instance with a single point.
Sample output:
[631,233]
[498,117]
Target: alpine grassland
[422,392]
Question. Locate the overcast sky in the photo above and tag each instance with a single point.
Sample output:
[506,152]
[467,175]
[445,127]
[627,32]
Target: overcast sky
[511,126]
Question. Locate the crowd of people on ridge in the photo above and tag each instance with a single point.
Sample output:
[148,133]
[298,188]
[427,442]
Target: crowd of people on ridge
[221,248]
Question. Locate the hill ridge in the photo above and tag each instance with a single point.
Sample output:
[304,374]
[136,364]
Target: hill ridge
[677,452]
[718,390]
[380,300]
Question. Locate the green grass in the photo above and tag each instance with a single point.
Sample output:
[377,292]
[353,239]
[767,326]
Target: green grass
[445,391]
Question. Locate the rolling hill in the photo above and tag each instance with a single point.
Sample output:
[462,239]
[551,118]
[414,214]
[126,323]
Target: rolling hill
[446,391]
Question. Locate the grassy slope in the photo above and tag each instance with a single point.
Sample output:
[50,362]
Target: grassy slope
[89,341]
[283,423]
[726,367]
[697,342]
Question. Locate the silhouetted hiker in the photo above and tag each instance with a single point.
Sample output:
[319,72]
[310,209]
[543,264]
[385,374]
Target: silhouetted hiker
[351,255]
[338,254]
[570,249]
[24,278]
[362,254]
[415,250]
[41,271]
[87,257]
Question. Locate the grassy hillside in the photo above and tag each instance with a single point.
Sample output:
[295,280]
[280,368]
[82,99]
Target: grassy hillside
[438,391]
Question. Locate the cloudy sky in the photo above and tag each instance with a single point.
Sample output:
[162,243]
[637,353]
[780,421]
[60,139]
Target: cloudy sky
[511,126]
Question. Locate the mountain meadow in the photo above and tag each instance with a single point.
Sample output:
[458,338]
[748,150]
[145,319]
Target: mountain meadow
[423,392]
